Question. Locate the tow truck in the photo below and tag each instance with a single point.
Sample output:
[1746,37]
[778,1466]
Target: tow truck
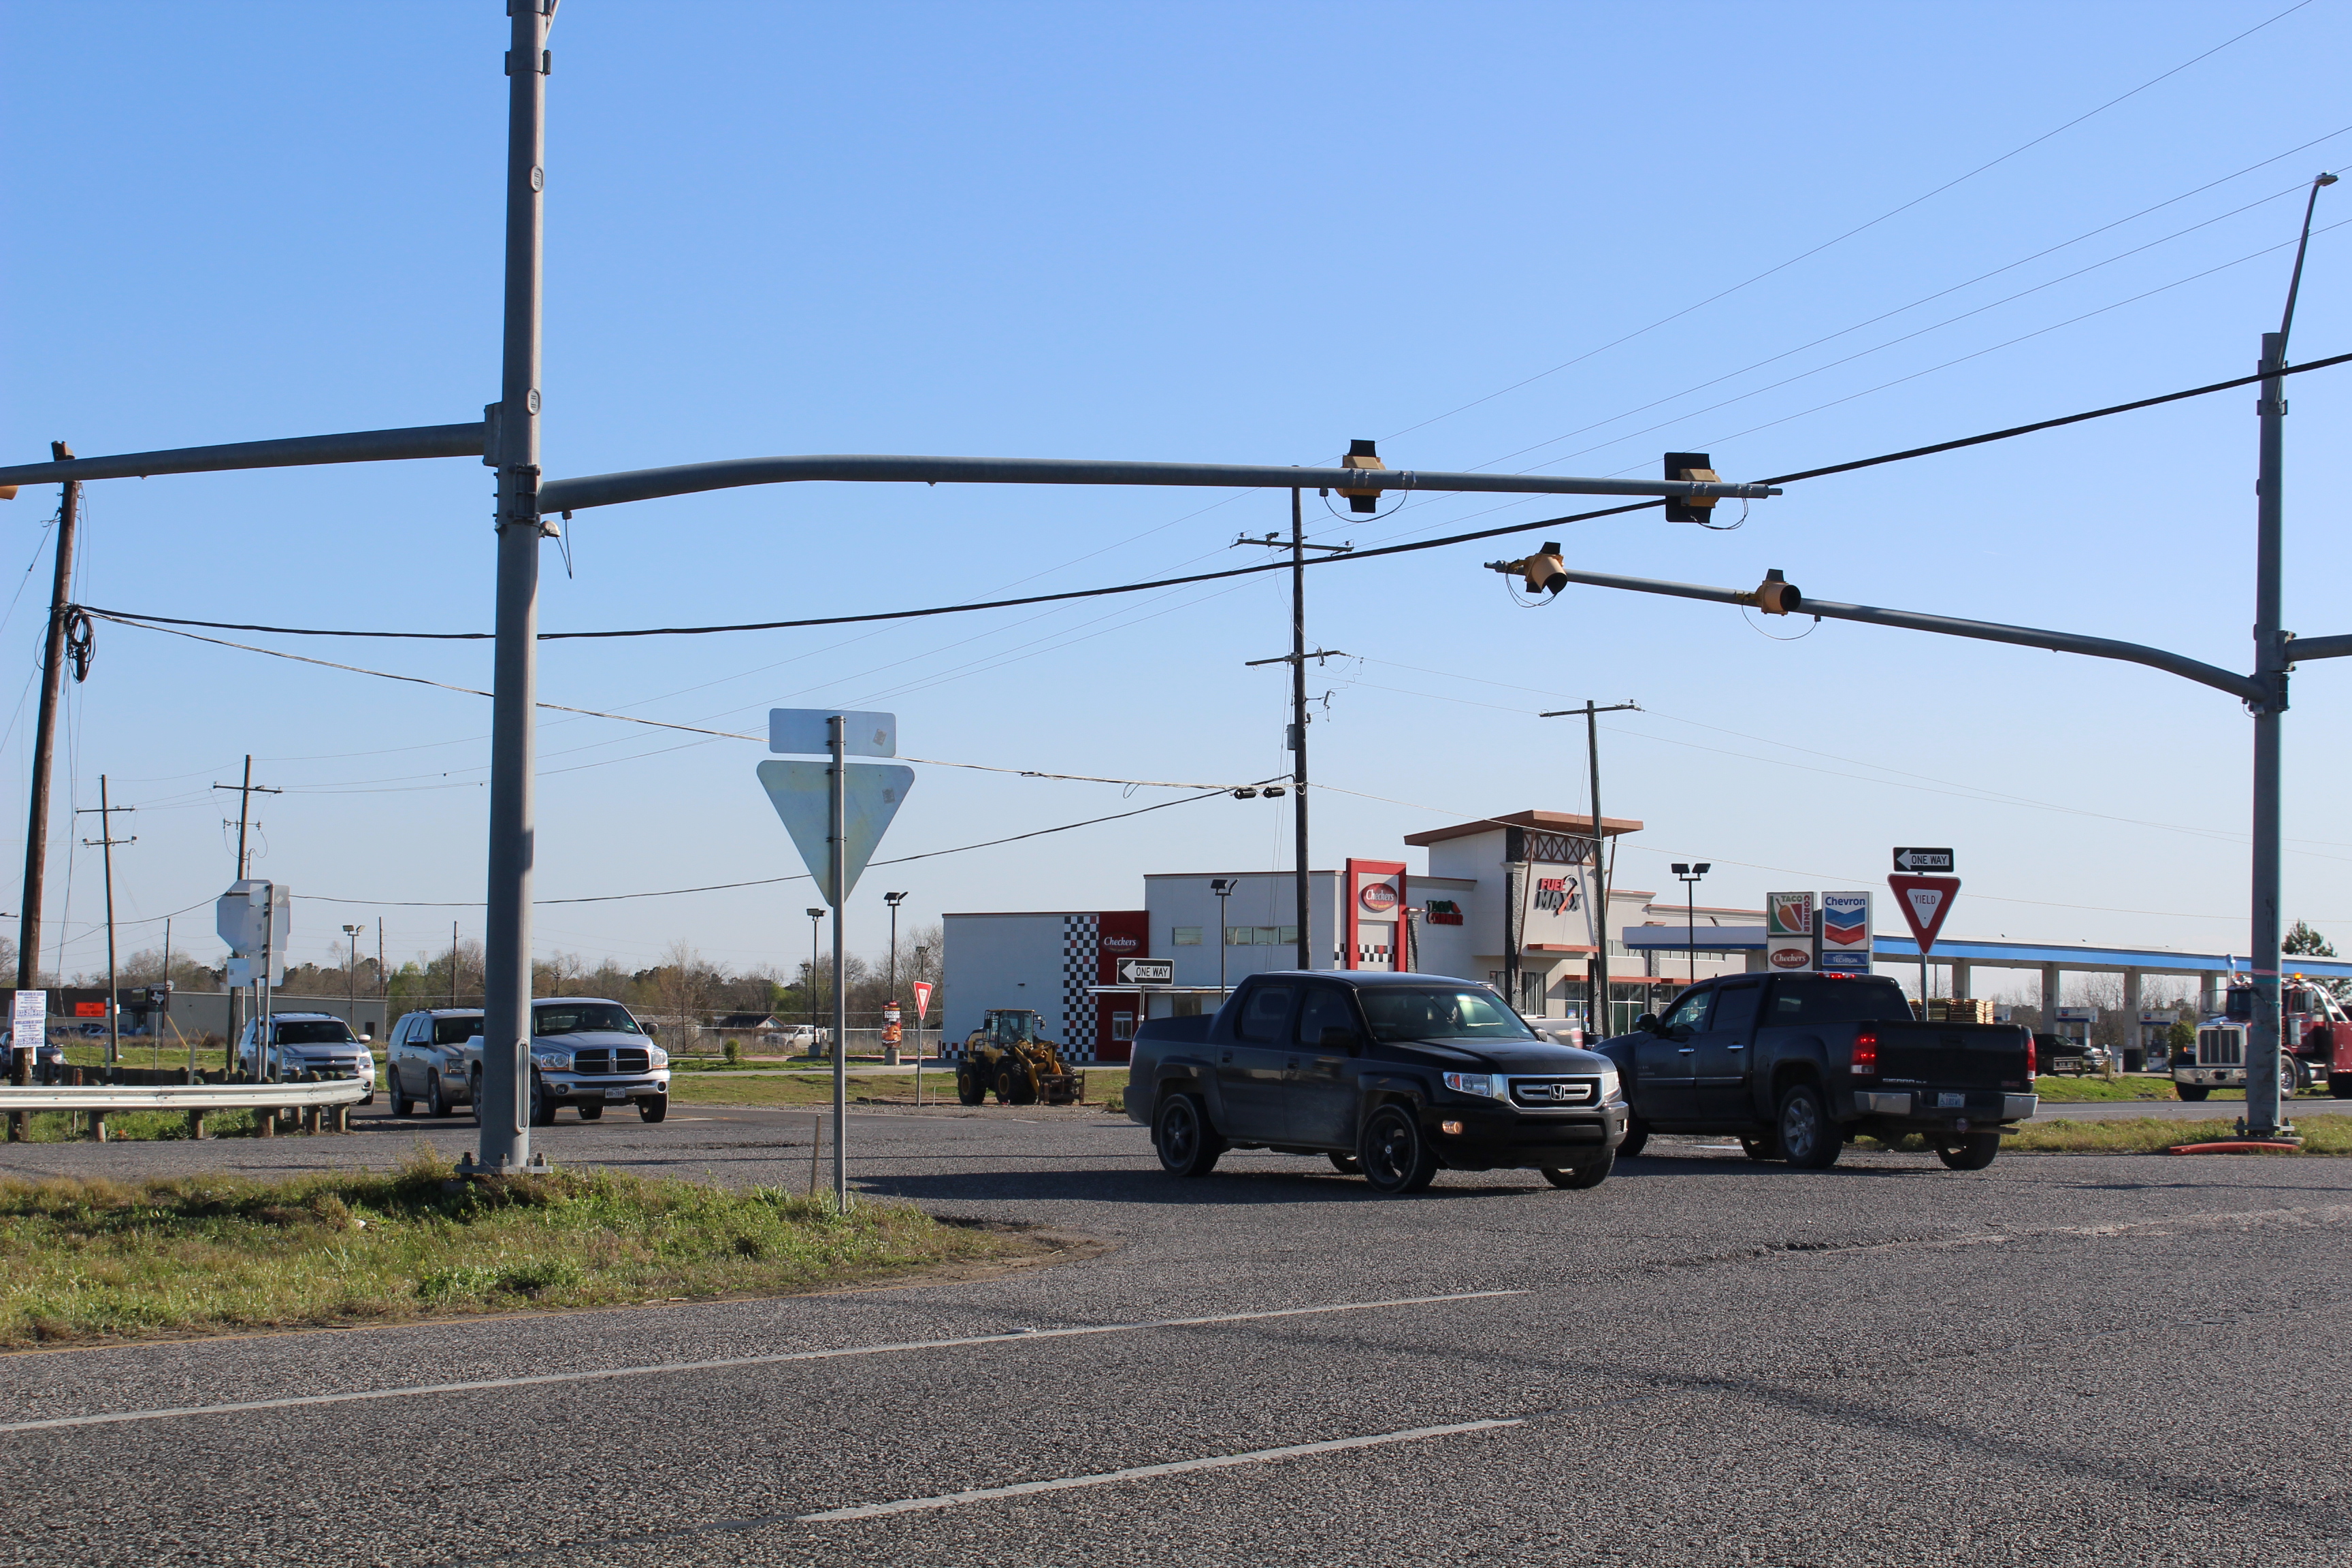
[2314,1034]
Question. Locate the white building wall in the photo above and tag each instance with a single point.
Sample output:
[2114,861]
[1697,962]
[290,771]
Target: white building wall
[1183,902]
[1004,961]
[1444,950]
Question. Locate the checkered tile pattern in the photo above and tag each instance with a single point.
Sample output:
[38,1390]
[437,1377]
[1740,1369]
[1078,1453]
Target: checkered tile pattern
[1081,944]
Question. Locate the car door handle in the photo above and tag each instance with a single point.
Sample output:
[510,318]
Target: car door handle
[1292,1064]
[1686,1050]
[1228,1058]
[1735,1048]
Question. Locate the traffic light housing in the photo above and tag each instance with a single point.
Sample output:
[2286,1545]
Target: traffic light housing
[1545,571]
[1690,466]
[1776,596]
[1362,455]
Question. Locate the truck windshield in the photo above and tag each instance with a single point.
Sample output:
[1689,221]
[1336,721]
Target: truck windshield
[329,1032]
[1413,1013]
[583,1017]
[1807,999]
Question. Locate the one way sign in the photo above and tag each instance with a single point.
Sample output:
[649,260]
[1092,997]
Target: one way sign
[1914,861]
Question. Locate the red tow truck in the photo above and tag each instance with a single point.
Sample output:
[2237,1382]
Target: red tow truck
[2314,1028]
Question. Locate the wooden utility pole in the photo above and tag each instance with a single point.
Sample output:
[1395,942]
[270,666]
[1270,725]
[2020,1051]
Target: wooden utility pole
[37,831]
[104,842]
[245,794]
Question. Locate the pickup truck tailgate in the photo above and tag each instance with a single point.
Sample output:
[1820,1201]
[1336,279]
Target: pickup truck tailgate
[1953,1056]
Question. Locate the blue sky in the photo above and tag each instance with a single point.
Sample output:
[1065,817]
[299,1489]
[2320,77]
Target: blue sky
[1197,231]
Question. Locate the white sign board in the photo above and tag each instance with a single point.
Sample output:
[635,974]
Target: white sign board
[808,731]
[1788,930]
[1146,970]
[255,918]
[29,1021]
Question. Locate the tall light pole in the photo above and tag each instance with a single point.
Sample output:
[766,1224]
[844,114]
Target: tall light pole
[1689,876]
[1223,888]
[2264,1047]
[894,901]
[1596,1016]
[352,979]
[816,921]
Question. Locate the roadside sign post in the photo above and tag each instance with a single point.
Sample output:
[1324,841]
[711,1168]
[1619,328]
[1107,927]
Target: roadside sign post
[1788,931]
[835,840]
[922,989]
[1846,933]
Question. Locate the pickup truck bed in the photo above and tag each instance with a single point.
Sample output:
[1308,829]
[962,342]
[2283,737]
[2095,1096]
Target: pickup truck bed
[1798,1065]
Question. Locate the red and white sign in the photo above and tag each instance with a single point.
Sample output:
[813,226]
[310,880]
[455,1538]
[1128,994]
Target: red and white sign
[1378,899]
[922,999]
[1924,902]
[1120,941]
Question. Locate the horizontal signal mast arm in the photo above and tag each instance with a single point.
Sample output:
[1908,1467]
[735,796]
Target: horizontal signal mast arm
[2337,646]
[2243,687]
[647,484]
[290,452]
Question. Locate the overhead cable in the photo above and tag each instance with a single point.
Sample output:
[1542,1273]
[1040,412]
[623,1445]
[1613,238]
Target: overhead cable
[160,622]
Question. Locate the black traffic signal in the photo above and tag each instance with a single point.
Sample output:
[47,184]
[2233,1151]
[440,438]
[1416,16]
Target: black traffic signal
[1690,466]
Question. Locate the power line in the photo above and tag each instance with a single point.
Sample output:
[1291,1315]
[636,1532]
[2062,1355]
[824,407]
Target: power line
[164,623]
[1873,223]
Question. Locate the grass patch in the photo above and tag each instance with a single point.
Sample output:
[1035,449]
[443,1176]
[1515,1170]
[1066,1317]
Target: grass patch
[59,1126]
[92,1260]
[2072,1088]
[1106,1089]
[2154,1135]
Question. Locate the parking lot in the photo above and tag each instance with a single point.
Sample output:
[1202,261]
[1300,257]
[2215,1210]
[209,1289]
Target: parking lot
[2062,1359]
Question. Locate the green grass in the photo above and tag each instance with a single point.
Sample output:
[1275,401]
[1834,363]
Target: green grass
[2324,1134]
[99,1259]
[1106,1089]
[2077,1090]
[57,1126]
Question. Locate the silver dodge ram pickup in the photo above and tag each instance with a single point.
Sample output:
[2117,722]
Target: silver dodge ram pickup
[586,1053]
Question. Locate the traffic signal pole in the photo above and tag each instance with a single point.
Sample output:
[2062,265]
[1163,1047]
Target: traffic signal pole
[514,452]
[2263,1043]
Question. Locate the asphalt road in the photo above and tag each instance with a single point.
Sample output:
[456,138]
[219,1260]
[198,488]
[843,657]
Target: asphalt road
[1706,1361]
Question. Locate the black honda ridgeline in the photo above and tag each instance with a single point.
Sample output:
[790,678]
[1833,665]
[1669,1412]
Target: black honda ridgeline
[1393,1075]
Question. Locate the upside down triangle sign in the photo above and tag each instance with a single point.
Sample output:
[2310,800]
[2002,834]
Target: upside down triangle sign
[1925,901]
[801,794]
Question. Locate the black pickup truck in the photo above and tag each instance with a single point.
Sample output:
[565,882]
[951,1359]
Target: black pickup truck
[1392,1075]
[1798,1065]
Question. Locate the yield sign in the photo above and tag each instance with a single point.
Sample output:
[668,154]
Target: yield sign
[1925,900]
[803,794]
[922,999]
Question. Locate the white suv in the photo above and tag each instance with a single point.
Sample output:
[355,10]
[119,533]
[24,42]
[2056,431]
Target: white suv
[306,1047]
[586,1053]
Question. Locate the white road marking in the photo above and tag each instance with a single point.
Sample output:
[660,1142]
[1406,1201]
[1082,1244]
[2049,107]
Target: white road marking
[1142,1472]
[1025,1336]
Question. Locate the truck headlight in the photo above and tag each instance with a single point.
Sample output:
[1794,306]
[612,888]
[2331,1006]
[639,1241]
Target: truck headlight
[552,1061]
[1480,1083]
[1609,1088]
[656,1057]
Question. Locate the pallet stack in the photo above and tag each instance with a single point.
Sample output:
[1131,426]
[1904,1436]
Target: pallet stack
[1959,1010]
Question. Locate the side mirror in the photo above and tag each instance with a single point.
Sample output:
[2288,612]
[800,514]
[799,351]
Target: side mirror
[1337,1038]
[1647,1023]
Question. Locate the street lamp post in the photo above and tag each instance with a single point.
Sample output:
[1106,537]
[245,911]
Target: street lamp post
[1596,1014]
[894,901]
[816,918]
[352,979]
[1690,876]
[1223,888]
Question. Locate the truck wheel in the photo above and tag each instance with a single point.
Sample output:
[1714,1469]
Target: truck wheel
[652,1109]
[542,1109]
[1188,1146]
[474,1094]
[1759,1145]
[1346,1165]
[2191,1091]
[1590,1174]
[435,1102]
[2339,1084]
[969,1089]
[1807,1139]
[1973,1154]
[401,1104]
[1637,1138]
[1396,1158]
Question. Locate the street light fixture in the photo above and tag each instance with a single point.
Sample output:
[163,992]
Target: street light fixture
[1690,876]
[816,918]
[894,901]
[1223,888]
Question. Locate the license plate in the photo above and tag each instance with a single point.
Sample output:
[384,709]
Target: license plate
[1951,1102]
[616,1094]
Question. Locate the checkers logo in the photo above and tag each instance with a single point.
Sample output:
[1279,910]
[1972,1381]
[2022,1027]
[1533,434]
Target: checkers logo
[1378,899]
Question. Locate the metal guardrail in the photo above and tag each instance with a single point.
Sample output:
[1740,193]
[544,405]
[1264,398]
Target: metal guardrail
[199,1097]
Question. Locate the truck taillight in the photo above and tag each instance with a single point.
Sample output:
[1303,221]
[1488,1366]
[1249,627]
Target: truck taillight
[2032,1062]
[1865,1053]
